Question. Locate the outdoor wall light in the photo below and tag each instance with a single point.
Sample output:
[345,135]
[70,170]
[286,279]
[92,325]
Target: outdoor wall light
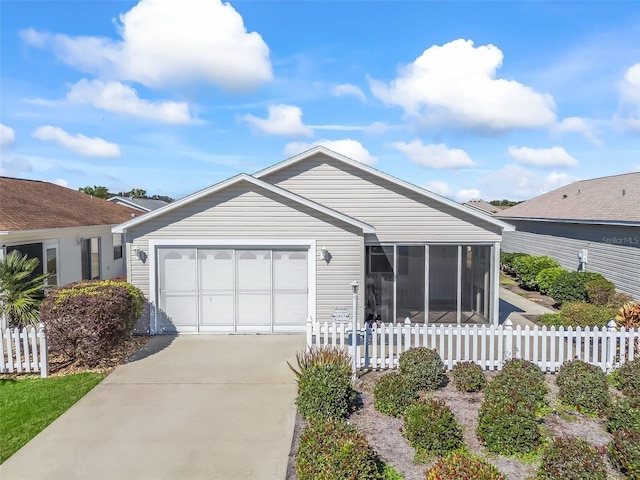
[324,254]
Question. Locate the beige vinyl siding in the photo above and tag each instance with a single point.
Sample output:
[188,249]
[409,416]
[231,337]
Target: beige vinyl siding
[398,214]
[618,262]
[244,211]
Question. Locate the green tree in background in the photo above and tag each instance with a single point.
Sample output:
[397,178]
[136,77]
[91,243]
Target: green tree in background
[96,191]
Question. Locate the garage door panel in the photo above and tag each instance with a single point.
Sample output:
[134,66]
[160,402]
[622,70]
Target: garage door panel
[254,309]
[227,289]
[290,309]
[216,309]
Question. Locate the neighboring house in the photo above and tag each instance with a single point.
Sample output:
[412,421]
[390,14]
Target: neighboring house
[592,225]
[264,253]
[484,207]
[68,231]
[142,204]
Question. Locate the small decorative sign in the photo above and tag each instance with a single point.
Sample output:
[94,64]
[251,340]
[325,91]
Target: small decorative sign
[340,315]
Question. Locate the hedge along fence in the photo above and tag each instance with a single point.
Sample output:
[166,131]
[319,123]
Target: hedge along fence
[488,346]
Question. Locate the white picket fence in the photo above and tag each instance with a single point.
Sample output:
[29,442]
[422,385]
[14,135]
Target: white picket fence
[24,351]
[488,346]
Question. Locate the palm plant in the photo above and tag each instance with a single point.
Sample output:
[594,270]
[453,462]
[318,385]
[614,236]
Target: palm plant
[20,290]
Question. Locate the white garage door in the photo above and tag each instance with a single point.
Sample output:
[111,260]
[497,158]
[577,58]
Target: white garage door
[233,290]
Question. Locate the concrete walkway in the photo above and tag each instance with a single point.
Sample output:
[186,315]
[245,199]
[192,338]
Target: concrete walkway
[195,407]
[514,307]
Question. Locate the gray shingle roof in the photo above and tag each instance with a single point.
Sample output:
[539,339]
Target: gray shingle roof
[144,204]
[607,199]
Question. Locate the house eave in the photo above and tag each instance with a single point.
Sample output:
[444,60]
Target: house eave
[573,220]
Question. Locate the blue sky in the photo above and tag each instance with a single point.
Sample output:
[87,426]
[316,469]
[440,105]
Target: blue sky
[468,99]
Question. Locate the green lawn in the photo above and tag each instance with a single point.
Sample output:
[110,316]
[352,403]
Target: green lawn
[504,280]
[28,405]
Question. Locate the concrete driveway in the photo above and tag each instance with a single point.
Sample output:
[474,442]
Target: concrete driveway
[190,407]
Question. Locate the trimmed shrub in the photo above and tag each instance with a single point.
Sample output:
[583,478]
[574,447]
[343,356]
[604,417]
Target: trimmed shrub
[432,429]
[468,377]
[580,314]
[571,458]
[624,414]
[463,466]
[336,451]
[583,386]
[629,378]
[507,259]
[599,292]
[547,276]
[422,366]
[86,320]
[624,452]
[551,319]
[508,427]
[570,286]
[324,384]
[519,382]
[618,299]
[528,267]
[393,393]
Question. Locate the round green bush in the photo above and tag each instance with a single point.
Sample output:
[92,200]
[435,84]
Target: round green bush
[523,368]
[519,383]
[528,267]
[624,452]
[507,259]
[508,427]
[422,366]
[600,291]
[432,429]
[583,386]
[393,393]
[86,320]
[468,377]
[547,276]
[571,458]
[570,286]
[325,391]
[581,314]
[463,466]
[624,414]
[629,378]
[336,451]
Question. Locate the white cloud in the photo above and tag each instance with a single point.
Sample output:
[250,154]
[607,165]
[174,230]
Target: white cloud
[62,182]
[164,42]
[439,187]
[464,195]
[434,155]
[543,157]
[7,136]
[89,147]
[13,166]
[347,147]
[285,120]
[629,118]
[579,125]
[515,182]
[346,89]
[456,84]
[630,85]
[122,99]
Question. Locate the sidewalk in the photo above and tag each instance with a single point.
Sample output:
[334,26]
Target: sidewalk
[514,307]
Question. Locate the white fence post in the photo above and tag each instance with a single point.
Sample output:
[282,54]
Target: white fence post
[44,357]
